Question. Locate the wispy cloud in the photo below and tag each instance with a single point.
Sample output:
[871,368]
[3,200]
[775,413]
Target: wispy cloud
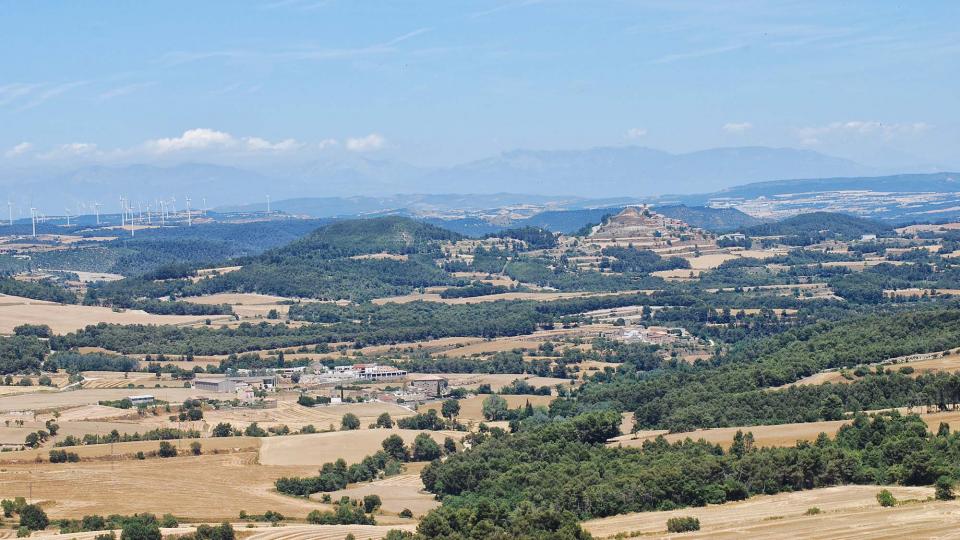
[814,134]
[700,53]
[48,93]
[503,7]
[636,133]
[737,127]
[125,90]
[292,55]
[19,150]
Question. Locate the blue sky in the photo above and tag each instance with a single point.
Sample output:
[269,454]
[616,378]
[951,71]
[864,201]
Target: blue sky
[443,82]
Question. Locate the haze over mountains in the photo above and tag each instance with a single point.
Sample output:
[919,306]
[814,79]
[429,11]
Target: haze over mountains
[628,171]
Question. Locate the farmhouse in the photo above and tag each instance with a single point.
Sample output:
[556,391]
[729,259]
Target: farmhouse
[430,385]
[144,399]
[226,385]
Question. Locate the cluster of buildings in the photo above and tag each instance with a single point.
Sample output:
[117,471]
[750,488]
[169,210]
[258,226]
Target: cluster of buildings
[655,335]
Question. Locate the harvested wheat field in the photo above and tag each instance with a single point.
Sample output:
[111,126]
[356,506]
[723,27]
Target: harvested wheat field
[772,435]
[846,512]
[544,296]
[319,448]
[326,532]
[471,409]
[64,318]
[396,492]
[297,416]
[195,488]
[124,450]
[496,381]
[60,400]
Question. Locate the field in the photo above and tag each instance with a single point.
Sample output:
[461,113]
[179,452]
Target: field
[202,488]
[471,409]
[771,435]
[319,448]
[396,492]
[59,400]
[539,296]
[63,318]
[326,532]
[847,512]
[246,305]
[296,416]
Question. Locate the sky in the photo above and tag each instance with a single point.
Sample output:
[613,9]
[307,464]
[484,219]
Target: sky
[442,82]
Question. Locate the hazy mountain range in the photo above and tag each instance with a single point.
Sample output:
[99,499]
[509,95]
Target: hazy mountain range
[595,173]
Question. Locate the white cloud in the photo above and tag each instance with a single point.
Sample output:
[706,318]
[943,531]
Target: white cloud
[72,150]
[256,144]
[19,150]
[211,139]
[737,127]
[327,143]
[373,141]
[859,128]
[636,133]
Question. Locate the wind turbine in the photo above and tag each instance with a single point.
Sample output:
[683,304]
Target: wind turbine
[96,209]
[67,210]
[123,213]
[33,220]
[203,210]
[163,214]
[189,222]
[268,204]
[10,212]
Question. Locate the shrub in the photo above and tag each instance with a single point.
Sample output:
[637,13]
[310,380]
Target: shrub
[33,517]
[683,524]
[812,511]
[195,448]
[349,422]
[406,513]
[944,489]
[167,450]
[371,503]
[885,498]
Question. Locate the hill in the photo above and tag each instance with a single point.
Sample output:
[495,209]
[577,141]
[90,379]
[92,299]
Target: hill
[821,225]
[352,259]
[711,219]
[900,183]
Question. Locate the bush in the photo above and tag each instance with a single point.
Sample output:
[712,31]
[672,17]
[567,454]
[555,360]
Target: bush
[62,456]
[140,529]
[195,448]
[167,450]
[371,503]
[406,513]
[683,524]
[33,518]
[885,498]
[812,511]
[944,489]
[349,422]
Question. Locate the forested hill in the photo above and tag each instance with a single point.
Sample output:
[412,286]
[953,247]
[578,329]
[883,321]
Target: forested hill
[711,219]
[328,263]
[390,234]
[821,224]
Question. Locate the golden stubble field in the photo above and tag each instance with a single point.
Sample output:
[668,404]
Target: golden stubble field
[64,318]
[846,512]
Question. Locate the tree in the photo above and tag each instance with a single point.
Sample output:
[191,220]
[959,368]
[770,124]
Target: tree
[195,448]
[449,445]
[141,529]
[384,421]
[222,430]
[425,448]
[33,517]
[495,408]
[832,408]
[395,448]
[371,503]
[349,422]
[450,409]
[885,498]
[167,450]
[944,489]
